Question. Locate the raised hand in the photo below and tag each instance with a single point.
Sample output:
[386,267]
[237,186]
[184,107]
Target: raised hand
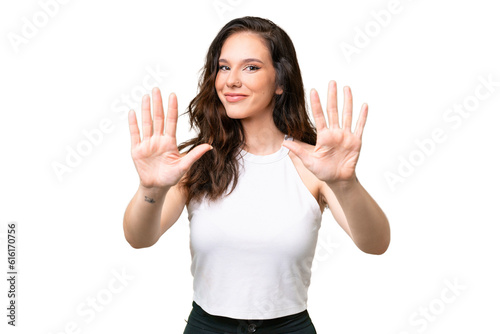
[337,149]
[156,157]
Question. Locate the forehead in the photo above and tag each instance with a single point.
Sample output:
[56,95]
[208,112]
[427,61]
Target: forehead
[244,45]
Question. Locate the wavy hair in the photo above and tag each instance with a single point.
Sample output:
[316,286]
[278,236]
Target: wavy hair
[214,172]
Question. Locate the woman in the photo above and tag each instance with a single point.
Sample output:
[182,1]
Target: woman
[255,182]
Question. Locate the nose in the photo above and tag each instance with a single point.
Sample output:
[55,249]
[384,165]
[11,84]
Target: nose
[233,79]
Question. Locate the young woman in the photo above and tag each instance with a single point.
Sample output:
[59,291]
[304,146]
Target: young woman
[255,182]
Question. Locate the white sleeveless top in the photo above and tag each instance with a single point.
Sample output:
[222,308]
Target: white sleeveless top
[252,251]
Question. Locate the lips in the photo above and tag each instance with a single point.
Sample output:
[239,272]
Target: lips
[235,97]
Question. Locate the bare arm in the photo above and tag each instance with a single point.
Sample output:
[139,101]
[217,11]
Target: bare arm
[141,223]
[158,202]
[150,213]
[359,215]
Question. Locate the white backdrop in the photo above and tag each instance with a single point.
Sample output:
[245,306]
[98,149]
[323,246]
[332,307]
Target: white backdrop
[428,71]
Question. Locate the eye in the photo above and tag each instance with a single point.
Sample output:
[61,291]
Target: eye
[255,67]
[252,67]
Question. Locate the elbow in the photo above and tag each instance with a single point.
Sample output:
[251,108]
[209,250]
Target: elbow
[139,247]
[137,244]
[131,242]
[383,242]
[376,251]
[378,248]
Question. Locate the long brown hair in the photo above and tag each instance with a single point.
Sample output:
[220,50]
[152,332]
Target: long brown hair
[213,173]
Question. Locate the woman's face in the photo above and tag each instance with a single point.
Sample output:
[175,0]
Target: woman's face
[246,68]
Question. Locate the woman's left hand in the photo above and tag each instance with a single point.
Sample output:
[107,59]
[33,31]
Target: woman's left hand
[336,153]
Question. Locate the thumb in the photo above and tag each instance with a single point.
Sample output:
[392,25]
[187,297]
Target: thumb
[194,155]
[298,151]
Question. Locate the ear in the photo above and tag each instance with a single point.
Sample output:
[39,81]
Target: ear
[278,91]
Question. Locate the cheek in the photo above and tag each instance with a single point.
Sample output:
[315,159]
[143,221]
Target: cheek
[217,81]
[219,85]
[260,86]
[266,86]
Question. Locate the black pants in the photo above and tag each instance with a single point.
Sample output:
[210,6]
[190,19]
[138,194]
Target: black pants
[201,322]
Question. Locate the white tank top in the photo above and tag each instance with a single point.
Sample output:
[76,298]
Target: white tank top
[252,251]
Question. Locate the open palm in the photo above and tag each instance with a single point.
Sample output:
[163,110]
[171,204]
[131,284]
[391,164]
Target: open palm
[337,149]
[156,157]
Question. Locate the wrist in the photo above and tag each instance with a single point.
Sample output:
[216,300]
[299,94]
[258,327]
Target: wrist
[153,192]
[343,184]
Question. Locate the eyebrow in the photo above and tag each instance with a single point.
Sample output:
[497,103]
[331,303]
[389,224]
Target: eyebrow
[247,60]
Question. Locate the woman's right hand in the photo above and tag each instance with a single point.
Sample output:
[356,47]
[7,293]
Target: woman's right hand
[156,157]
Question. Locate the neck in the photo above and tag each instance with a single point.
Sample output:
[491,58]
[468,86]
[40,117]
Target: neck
[262,138]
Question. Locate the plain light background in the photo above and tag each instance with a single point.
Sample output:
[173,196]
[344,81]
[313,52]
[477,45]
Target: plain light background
[86,64]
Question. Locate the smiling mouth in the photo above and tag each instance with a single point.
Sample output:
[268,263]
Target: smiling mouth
[235,98]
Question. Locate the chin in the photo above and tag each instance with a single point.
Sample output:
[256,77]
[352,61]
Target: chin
[236,112]
[234,115]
